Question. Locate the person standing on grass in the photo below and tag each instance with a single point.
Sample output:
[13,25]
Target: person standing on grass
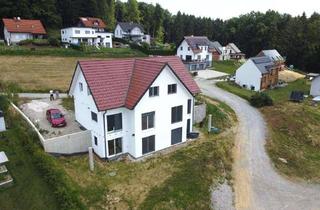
[51,95]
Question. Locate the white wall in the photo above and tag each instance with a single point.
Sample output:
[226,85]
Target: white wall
[315,87]
[15,37]
[249,75]
[84,104]
[118,33]
[162,105]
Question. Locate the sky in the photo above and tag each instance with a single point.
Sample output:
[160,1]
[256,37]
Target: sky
[226,9]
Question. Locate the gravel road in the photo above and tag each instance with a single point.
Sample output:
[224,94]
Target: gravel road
[257,184]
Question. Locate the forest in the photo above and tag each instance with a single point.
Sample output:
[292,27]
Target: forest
[297,38]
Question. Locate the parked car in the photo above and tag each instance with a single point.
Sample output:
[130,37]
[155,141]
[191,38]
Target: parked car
[56,118]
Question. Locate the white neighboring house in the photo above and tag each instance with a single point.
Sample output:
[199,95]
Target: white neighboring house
[90,36]
[195,52]
[231,51]
[257,73]
[315,87]
[134,106]
[17,29]
[131,31]
[89,30]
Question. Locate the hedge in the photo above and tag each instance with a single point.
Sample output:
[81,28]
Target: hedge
[261,100]
[63,189]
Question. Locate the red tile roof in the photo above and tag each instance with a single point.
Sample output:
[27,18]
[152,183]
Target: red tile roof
[24,26]
[122,82]
[92,22]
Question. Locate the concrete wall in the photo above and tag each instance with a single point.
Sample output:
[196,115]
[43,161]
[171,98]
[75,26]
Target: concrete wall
[200,113]
[69,144]
[315,87]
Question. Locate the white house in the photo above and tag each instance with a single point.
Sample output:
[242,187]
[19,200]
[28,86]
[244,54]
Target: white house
[231,51]
[90,31]
[131,31]
[90,36]
[257,74]
[134,106]
[17,29]
[315,87]
[195,52]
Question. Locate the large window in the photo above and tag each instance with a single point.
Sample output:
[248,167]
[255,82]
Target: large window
[147,120]
[115,146]
[114,122]
[176,136]
[77,31]
[176,114]
[189,106]
[148,144]
[94,116]
[172,88]
[154,91]
[87,32]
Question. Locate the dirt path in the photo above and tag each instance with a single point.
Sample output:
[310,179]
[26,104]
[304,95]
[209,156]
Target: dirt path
[257,185]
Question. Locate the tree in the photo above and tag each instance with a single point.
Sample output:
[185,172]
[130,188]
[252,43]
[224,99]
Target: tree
[133,13]
[111,19]
[120,11]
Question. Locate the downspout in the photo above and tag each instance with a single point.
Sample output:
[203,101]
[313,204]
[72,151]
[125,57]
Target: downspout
[104,134]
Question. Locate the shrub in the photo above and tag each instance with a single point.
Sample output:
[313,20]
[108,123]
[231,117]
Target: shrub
[40,42]
[25,42]
[54,41]
[260,100]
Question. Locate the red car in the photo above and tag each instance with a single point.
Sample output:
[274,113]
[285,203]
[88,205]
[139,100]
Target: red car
[56,118]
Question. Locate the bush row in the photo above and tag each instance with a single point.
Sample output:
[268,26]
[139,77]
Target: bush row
[41,42]
[260,100]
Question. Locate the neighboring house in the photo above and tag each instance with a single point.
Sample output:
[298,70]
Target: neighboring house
[315,87]
[218,50]
[231,51]
[131,31]
[17,29]
[275,56]
[257,74]
[90,31]
[134,106]
[195,52]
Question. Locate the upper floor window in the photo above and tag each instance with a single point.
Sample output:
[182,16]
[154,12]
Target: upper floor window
[176,114]
[92,32]
[94,116]
[80,86]
[188,48]
[147,120]
[62,32]
[172,88]
[189,106]
[114,122]
[154,91]
[88,91]
[87,32]
[181,48]
[77,31]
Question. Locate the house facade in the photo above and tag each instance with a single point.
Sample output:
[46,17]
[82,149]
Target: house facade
[275,56]
[131,31]
[134,106]
[232,52]
[195,52]
[90,31]
[315,87]
[17,29]
[258,73]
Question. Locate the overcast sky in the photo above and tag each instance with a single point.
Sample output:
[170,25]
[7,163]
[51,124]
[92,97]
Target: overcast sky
[226,9]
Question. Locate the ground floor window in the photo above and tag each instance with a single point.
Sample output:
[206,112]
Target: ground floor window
[115,146]
[148,144]
[176,136]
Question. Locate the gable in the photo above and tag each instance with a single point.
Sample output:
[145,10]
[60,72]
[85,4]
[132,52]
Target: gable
[23,26]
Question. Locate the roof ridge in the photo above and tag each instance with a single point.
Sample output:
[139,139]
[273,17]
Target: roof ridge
[131,76]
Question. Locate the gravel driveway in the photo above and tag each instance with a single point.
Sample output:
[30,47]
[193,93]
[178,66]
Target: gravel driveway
[257,184]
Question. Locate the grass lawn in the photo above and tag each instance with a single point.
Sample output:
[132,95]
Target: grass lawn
[294,129]
[29,191]
[228,67]
[178,180]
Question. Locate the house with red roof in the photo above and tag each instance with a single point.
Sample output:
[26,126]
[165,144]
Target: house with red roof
[17,29]
[90,31]
[195,52]
[134,106]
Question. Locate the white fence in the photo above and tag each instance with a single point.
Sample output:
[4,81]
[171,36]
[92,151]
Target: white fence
[67,144]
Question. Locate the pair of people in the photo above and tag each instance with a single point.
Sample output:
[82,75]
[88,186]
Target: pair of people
[56,92]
